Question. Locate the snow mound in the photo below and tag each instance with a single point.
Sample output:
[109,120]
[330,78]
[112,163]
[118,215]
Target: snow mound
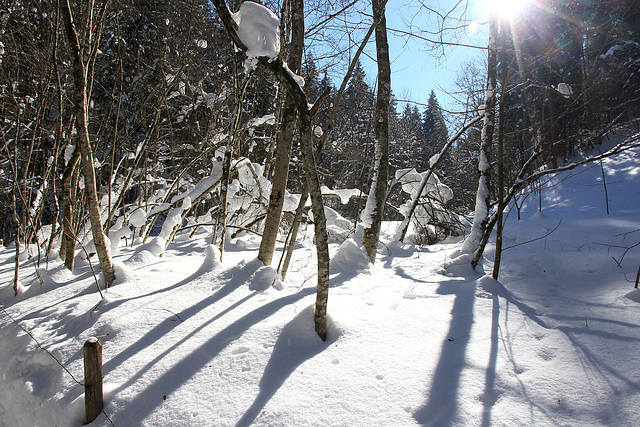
[138,218]
[300,334]
[140,258]
[290,202]
[123,273]
[539,216]
[42,283]
[334,218]
[211,258]
[7,293]
[350,256]
[634,295]
[336,234]
[492,286]
[459,265]
[155,246]
[265,277]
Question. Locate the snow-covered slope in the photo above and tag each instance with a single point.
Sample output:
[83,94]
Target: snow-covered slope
[189,342]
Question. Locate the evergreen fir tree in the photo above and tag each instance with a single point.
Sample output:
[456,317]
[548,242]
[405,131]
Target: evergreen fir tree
[434,132]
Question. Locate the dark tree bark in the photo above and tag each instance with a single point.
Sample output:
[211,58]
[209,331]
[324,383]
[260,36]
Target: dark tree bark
[501,205]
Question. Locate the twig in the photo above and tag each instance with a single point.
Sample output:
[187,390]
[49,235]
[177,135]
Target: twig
[40,345]
[91,266]
[179,318]
[536,239]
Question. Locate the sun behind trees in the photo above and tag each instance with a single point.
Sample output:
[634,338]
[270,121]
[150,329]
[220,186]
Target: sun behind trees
[178,137]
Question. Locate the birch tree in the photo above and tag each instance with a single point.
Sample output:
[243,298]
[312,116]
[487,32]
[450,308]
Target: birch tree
[472,243]
[83,48]
[278,68]
[284,140]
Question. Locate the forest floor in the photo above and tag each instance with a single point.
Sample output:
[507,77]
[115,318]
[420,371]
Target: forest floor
[413,339]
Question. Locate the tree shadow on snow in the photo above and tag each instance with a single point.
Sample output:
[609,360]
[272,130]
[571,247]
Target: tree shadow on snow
[235,278]
[489,397]
[173,378]
[441,406]
[599,364]
[297,343]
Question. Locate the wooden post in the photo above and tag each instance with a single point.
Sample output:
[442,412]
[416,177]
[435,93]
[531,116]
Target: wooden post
[93,400]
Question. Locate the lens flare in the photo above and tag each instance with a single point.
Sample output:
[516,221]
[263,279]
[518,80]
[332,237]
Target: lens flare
[505,8]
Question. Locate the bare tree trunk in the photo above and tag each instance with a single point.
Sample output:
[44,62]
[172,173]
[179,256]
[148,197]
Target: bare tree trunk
[221,219]
[295,227]
[285,141]
[327,127]
[69,186]
[16,268]
[480,219]
[275,130]
[80,69]
[501,205]
[313,183]
[374,212]
[283,75]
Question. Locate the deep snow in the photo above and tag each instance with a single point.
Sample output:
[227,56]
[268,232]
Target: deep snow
[192,342]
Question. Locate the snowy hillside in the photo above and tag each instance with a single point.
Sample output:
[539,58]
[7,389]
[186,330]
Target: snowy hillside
[191,342]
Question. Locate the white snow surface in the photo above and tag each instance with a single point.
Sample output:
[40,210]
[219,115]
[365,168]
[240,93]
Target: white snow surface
[189,341]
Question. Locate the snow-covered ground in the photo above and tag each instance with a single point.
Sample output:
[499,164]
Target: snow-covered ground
[190,342]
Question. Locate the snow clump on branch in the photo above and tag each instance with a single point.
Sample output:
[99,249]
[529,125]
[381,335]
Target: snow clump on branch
[259,30]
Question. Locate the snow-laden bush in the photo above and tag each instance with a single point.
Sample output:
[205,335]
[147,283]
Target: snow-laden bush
[432,221]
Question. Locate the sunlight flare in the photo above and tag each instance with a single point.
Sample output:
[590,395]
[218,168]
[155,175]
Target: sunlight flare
[505,8]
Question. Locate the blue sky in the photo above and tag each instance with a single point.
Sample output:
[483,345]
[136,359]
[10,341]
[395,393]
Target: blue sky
[415,72]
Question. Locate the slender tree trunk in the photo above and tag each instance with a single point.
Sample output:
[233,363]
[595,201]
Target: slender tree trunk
[16,268]
[69,185]
[16,240]
[79,69]
[275,130]
[325,133]
[221,219]
[285,141]
[295,227]
[473,242]
[377,195]
[501,205]
[278,69]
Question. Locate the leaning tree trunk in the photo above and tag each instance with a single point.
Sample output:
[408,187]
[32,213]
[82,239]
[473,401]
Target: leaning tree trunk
[79,70]
[374,212]
[472,243]
[285,140]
